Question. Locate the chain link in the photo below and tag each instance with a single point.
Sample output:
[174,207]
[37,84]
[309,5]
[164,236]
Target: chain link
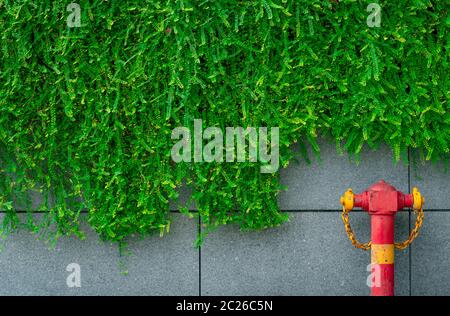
[366,246]
[414,233]
[351,234]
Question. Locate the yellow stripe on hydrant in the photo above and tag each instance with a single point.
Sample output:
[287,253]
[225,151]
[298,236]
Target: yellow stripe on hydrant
[382,254]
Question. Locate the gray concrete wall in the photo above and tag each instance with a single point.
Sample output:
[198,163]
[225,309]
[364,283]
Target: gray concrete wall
[310,255]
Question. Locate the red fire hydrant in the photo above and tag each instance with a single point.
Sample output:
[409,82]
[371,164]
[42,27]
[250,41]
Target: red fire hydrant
[382,201]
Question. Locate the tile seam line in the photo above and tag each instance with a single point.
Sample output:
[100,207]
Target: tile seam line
[409,224]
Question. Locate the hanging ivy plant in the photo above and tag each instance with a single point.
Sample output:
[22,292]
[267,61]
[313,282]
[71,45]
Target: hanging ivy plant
[87,109]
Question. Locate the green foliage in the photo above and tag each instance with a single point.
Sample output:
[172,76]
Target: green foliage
[86,113]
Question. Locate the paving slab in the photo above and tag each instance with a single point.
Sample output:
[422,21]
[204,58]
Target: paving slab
[184,194]
[433,181]
[155,266]
[310,255]
[318,186]
[431,256]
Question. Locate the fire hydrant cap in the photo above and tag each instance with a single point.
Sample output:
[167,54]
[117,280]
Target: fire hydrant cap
[382,186]
[347,200]
[418,199]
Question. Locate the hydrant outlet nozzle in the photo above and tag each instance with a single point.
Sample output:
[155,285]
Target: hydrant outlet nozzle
[418,199]
[347,200]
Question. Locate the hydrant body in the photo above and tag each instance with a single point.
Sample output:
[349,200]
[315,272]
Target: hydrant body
[382,255]
[381,201]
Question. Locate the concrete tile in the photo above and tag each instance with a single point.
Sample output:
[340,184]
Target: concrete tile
[310,255]
[156,266]
[430,254]
[183,198]
[319,185]
[434,184]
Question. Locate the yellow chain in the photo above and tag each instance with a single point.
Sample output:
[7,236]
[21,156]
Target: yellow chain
[351,234]
[366,246]
[414,233]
